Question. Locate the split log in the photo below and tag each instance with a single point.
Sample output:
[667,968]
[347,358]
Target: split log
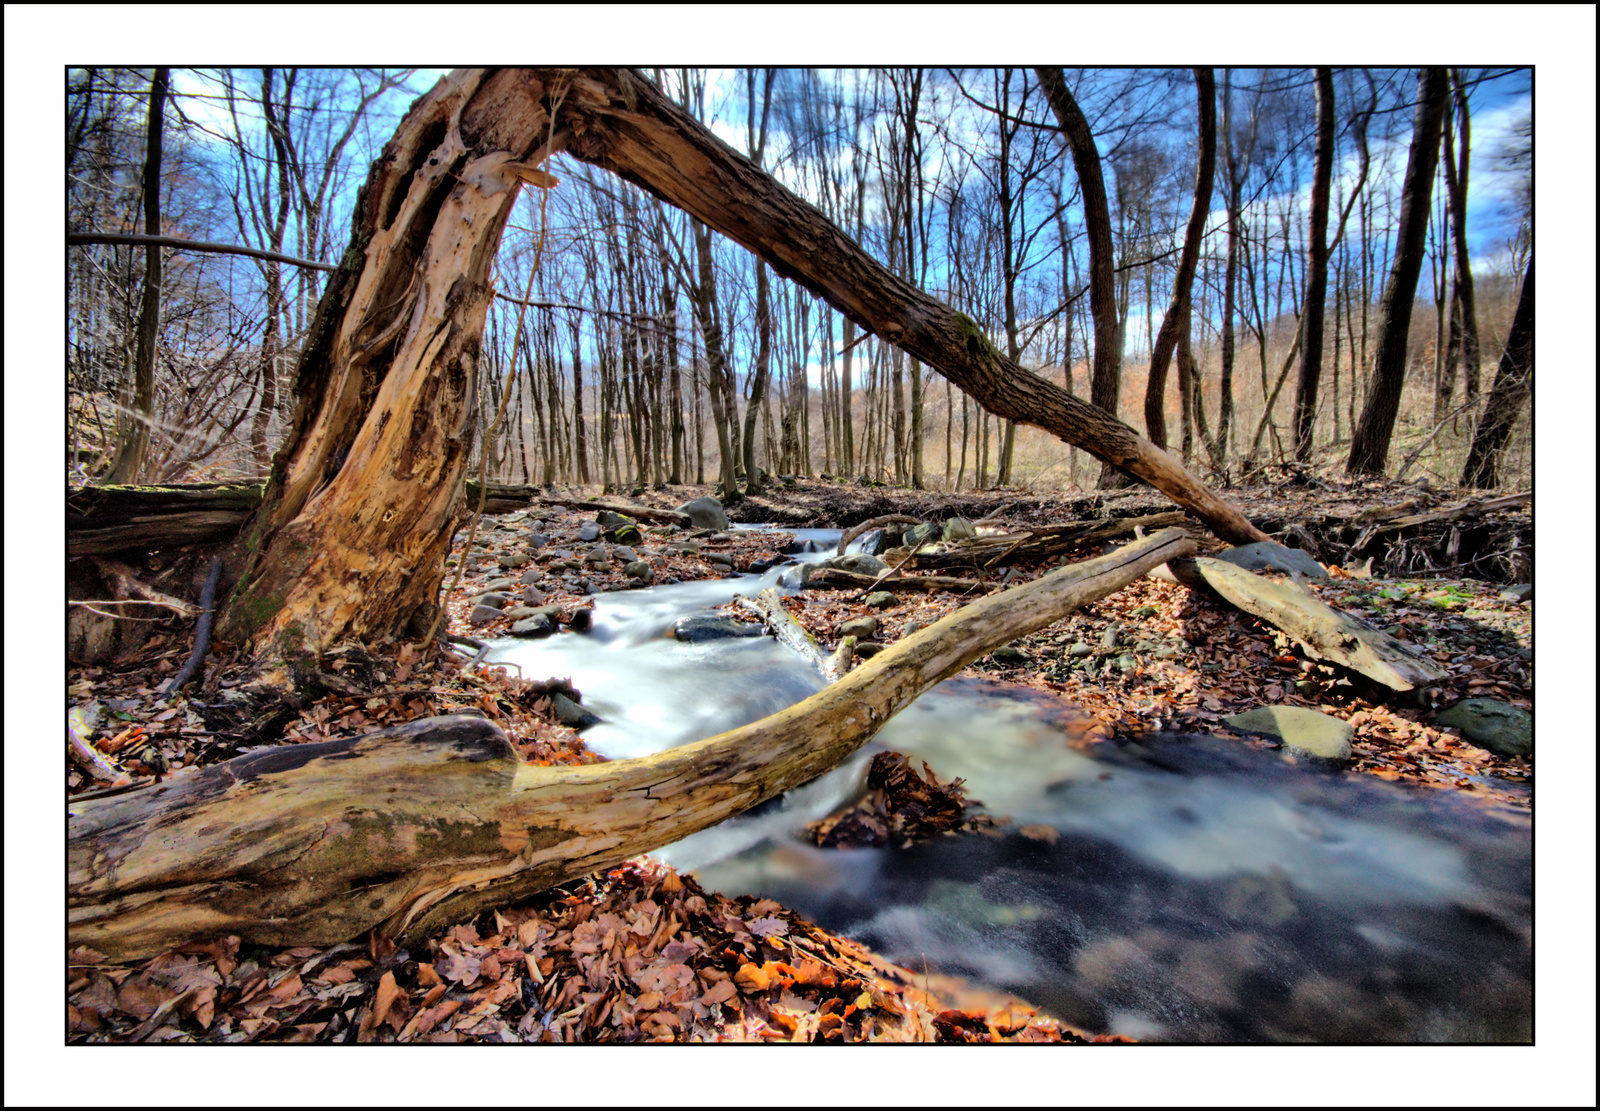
[1469,508]
[768,605]
[1323,632]
[106,519]
[412,828]
[832,576]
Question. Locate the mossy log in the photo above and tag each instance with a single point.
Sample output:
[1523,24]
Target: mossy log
[1026,545]
[412,828]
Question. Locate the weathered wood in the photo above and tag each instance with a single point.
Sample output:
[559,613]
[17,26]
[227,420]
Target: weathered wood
[415,827]
[1323,632]
[506,497]
[867,526]
[832,576]
[768,605]
[1469,508]
[102,520]
[1036,543]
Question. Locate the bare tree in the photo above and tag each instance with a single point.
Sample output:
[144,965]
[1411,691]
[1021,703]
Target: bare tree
[1513,384]
[1369,448]
[1305,398]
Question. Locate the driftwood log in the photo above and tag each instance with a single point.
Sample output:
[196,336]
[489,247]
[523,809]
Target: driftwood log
[825,577]
[1029,544]
[415,827]
[768,605]
[1325,633]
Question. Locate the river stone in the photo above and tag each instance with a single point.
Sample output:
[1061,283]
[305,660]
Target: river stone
[1126,662]
[533,596]
[482,615]
[1080,649]
[958,528]
[558,554]
[1267,555]
[705,513]
[536,626]
[880,600]
[582,620]
[499,584]
[589,531]
[1108,639]
[1306,732]
[494,599]
[536,541]
[638,569]
[722,559]
[868,649]
[685,547]
[570,713]
[704,627]
[1522,592]
[597,556]
[1007,656]
[919,535]
[1492,724]
[509,562]
[624,553]
[858,562]
[863,628]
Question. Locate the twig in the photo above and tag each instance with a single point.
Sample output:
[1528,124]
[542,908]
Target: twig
[202,631]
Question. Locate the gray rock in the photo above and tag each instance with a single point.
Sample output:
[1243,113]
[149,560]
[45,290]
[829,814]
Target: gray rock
[1007,656]
[582,620]
[494,599]
[858,562]
[880,600]
[533,596]
[865,628]
[1080,649]
[624,553]
[598,557]
[704,627]
[868,649]
[510,562]
[705,513]
[482,615]
[919,535]
[958,528]
[500,584]
[536,540]
[1108,639]
[558,554]
[683,547]
[1268,555]
[721,559]
[571,714]
[913,627]
[1492,724]
[536,626]
[1522,592]
[589,530]
[638,569]
[1305,732]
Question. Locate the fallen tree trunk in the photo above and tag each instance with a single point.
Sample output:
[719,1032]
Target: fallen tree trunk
[1034,543]
[768,605]
[412,828]
[833,576]
[1323,632]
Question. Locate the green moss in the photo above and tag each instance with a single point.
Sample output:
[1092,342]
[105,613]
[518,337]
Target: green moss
[973,339]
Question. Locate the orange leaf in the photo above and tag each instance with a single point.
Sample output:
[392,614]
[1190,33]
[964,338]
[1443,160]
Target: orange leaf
[751,978]
[388,992]
[719,993]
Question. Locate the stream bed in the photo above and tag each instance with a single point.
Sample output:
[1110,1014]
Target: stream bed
[1181,888]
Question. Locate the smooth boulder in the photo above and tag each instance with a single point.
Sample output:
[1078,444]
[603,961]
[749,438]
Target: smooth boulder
[705,513]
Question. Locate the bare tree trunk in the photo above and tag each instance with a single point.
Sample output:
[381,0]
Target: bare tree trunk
[1305,398]
[716,366]
[1456,173]
[1176,319]
[134,444]
[1105,382]
[1369,448]
[1513,383]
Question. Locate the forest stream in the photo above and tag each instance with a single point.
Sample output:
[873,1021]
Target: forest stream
[1182,888]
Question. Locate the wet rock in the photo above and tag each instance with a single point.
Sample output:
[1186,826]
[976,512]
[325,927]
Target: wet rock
[582,620]
[863,628]
[958,528]
[705,513]
[1267,555]
[703,627]
[536,626]
[1305,732]
[571,714]
[880,599]
[1492,724]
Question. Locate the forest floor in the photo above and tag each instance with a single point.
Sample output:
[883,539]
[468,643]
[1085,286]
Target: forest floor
[643,953]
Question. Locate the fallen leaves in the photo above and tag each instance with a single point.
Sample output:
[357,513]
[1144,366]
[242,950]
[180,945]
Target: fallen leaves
[900,806]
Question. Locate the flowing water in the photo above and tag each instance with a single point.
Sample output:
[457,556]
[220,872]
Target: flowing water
[1180,888]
